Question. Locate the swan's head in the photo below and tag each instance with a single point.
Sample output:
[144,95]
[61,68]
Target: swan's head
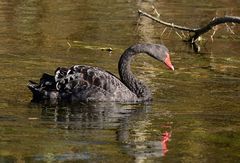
[161,53]
[157,51]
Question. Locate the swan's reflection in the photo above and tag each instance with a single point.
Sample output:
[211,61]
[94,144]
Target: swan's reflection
[91,116]
[139,140]
[132,123]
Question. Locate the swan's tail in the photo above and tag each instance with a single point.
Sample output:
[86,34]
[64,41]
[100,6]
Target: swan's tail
[37,93]
[45,89]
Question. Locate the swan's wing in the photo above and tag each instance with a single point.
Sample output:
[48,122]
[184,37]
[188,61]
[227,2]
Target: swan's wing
[91,82]
[81,83]
[83,77]
[92,93]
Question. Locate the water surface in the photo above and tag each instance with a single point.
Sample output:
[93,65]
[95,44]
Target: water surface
[194,116]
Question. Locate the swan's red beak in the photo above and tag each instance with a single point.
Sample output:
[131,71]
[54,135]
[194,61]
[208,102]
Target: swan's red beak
[167,61]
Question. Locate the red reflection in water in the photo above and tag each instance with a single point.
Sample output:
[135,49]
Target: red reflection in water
[164,140]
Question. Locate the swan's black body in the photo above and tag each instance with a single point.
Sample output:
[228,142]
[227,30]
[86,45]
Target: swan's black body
[86,83]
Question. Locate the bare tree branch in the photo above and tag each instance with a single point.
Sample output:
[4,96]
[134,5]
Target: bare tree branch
[166,23]
[196,31]
[211,24]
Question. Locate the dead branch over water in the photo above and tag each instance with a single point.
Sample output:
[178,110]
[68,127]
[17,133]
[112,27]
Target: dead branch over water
[196,32]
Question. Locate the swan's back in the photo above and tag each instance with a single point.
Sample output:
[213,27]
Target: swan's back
[86,83]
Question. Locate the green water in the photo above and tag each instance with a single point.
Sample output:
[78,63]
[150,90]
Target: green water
[196,107]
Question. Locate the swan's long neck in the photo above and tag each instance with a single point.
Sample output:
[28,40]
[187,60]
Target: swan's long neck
[127,76]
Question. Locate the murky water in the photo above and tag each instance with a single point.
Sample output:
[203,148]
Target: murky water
[194,116]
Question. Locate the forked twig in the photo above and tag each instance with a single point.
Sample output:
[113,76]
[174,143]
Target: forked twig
[196,32]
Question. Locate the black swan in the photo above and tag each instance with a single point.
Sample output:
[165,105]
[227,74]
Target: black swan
[86,83]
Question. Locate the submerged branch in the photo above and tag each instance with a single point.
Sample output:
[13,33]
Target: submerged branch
[82,44]
[196,31]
